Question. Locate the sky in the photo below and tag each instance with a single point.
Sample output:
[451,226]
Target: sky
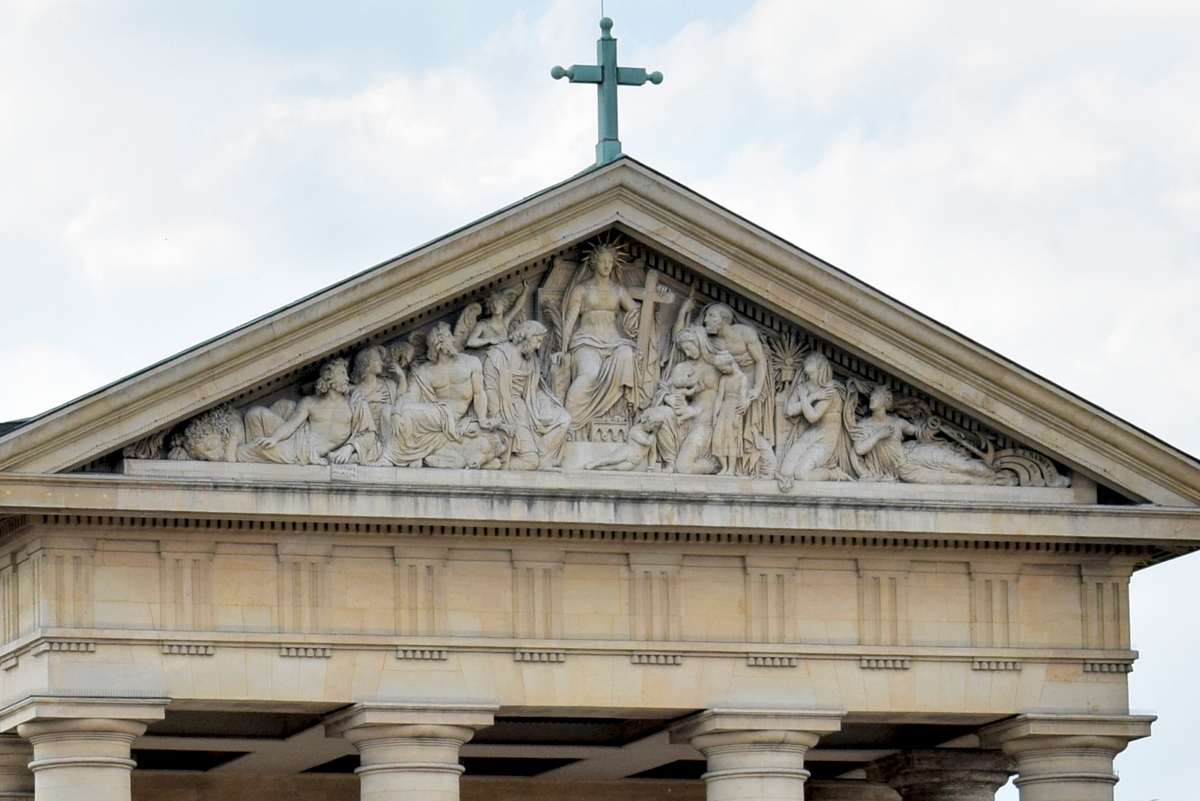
[1027,173]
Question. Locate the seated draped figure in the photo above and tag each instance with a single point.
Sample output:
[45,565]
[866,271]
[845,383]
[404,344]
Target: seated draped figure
[886,454]
[333,424]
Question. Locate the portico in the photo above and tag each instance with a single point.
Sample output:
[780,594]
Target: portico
[456,607]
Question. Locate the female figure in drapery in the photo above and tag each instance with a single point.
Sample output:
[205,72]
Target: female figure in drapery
[757,425]
[820,449]
[603,364]
[690,393]
[887,456]
[370,378]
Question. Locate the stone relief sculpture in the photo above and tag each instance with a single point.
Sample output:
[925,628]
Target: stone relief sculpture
[729,411]
[518,397]
[505,305]
[895,449]
[574,369]
[442,420]
[819,449]
[598,355]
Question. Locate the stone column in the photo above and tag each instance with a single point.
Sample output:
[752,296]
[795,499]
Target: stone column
[81,746]
[755,755]
[944,774]
[1066,757]
[409,752]
[848,790]
[16,780]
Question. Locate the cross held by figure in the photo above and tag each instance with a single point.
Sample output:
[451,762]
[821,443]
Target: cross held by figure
[607,76]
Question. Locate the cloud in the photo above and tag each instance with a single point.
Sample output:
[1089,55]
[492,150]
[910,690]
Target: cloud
[42,376]
[1015,203]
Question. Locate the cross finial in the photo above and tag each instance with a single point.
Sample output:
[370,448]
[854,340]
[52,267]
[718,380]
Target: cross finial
[607,75]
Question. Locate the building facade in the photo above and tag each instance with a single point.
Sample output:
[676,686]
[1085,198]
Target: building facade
[609,495]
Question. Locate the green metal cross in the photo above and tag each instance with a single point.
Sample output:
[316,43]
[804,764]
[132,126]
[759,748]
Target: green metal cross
[608,76]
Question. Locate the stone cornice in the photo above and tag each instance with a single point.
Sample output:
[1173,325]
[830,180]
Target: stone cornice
[476,509]
[691,229]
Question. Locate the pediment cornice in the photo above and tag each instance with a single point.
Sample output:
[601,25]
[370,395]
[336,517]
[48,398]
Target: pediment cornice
[665,216]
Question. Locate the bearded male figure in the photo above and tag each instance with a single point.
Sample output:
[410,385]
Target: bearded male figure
[512,381]
[444,403]
[743,344]
[332,425]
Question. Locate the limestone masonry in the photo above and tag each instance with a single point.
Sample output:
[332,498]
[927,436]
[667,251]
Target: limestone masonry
[610,495]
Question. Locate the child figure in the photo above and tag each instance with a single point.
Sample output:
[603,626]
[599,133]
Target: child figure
[643,442]
[733,396]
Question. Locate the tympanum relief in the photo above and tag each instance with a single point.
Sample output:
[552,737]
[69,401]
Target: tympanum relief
[602,362]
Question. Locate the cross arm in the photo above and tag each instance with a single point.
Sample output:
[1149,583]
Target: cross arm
[581,73]
[636,76]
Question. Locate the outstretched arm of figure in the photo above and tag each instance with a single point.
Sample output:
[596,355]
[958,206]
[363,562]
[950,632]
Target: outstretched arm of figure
[907,428]
[290,426]
[626,301]
[482,335]
[519,305]
[683,318]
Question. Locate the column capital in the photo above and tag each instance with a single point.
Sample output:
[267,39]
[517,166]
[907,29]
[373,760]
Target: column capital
[470,717]
[1123,728]
[943,774]
[730,721]
[1066,756]
[51,707]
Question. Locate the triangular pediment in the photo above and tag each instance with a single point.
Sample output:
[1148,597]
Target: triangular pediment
[713,349]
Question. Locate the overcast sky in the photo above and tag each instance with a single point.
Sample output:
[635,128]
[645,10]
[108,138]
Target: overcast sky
[1028,173]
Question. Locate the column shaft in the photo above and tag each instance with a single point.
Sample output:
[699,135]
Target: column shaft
[944,774]
[16,780]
